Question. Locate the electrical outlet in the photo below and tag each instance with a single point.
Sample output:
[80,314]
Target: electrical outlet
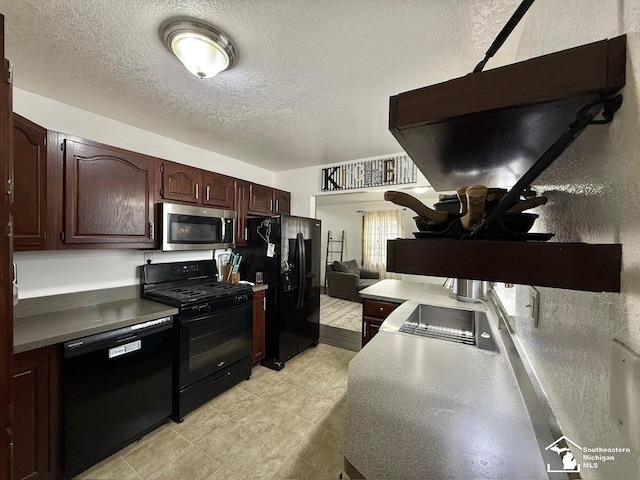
[148,257]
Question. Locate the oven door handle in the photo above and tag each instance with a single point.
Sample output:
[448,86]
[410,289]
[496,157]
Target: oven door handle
[207,316]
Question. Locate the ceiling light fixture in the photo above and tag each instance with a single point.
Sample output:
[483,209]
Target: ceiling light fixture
[202,49]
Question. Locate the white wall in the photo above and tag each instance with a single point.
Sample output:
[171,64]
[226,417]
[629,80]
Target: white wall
[592,190]
[54,272]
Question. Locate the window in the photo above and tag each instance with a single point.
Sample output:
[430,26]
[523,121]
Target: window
[378,226]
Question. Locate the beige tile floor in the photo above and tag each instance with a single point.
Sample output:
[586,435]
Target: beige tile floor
[276,425]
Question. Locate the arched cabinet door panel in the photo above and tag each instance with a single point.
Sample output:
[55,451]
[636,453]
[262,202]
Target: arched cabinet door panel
[218,190]
[181,182]
[30,173]
[108,195]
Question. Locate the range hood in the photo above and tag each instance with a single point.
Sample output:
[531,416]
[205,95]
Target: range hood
[491,127]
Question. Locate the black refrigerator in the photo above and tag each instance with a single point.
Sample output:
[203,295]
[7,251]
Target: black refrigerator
[287,250]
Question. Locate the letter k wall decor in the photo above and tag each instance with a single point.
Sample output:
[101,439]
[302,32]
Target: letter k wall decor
[369,173]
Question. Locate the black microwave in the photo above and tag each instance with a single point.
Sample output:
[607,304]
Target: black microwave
[187,227]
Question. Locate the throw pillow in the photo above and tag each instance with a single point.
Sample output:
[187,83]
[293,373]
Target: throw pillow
[350,266]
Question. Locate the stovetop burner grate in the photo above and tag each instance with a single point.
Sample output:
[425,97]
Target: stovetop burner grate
[197,293]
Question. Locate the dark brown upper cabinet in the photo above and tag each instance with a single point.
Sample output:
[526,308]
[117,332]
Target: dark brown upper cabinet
[108,195]
[181,183]
[260,199]
[218,190]
[281,202]
[30,172]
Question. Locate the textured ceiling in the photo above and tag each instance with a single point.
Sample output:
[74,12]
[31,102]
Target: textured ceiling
[312,81]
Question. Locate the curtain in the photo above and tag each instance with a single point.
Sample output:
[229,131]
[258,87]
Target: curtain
[378,227]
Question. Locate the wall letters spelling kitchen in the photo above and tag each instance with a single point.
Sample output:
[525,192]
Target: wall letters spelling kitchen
[370,173]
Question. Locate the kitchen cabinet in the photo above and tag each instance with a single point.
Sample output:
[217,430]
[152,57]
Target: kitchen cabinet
[30,173]
[259,309]
[281,202]
[35,386]
[180,182]
[241,208]
[218,190]
[108,196]
[260,199]
[575,266]
[374,312]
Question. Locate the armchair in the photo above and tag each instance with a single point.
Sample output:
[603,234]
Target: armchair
[345,280]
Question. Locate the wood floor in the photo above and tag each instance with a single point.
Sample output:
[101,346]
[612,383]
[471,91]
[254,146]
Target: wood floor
[340,337]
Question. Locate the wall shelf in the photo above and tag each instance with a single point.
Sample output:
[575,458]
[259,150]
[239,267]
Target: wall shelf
[489,128]
[574,266]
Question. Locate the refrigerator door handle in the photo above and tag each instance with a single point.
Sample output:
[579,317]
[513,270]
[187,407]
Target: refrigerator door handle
[302,268]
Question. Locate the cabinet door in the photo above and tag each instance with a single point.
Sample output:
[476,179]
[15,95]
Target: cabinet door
[35,414]
[108,195]
[219,190]
[260,199]
[180,182]
[258,325]
[30,171]
[241,204]
[281,202]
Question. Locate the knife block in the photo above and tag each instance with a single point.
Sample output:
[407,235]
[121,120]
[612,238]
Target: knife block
[229,277]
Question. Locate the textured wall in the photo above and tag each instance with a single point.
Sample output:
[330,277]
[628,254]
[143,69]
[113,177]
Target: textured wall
[593,197]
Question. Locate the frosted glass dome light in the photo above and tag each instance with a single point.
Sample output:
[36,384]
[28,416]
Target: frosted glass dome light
[202,49]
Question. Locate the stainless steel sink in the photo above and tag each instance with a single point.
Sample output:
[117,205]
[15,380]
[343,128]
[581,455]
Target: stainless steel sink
[468,327]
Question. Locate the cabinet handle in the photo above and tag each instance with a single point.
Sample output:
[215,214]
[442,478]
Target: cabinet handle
[271,204]
[22,374]
[196,191]
[277,205]
[246,232]
[207,190]
[364,325]
[264,304]
[381,309]
[152,231]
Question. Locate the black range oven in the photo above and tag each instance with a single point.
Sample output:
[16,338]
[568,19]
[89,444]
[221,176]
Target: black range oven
[213,329]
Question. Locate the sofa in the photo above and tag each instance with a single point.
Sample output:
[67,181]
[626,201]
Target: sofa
[346,279]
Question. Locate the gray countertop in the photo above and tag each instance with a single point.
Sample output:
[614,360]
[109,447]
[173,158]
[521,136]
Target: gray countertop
[425,408]
[43,329]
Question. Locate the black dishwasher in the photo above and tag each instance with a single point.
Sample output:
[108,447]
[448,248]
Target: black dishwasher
[117,386]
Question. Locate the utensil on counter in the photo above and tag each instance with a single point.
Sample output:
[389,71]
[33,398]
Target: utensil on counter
[430,217]
[462,198]
[476,196]
[457,203]
[527,204]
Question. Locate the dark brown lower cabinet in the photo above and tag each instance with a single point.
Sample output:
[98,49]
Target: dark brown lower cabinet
[374,312]
[36,414]
[369,329]
[259,307]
